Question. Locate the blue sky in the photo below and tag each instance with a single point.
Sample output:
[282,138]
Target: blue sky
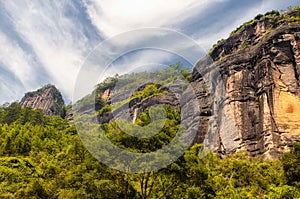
[48,41]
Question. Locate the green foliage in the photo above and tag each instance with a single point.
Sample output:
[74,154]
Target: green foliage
[148,91]
[15,114]
[258,17]
[162,79]
[273,13]
[291,165]
[283,192]
[275,18]
[166,130]
[268,31]
[250,175]
[108,83]
[43,157]
[219,42]
[105,109]
[11,113]
[94,101]
[239,29]
[119,84]
[291,8]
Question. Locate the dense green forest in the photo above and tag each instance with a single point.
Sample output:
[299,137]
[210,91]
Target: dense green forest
[43,157]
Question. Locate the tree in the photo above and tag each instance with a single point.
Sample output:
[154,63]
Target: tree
[291,165]
[12,113]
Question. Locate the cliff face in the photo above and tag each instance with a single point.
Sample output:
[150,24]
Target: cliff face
[253,100]
[131,109]
[48,99]
[259,110]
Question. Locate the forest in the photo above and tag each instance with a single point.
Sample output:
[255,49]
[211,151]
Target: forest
[43,157]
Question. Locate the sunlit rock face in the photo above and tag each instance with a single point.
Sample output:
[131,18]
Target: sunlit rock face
[260,69]
[48,99]
[244,95]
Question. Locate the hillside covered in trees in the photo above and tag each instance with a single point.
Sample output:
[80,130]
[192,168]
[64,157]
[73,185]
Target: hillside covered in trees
[43,157]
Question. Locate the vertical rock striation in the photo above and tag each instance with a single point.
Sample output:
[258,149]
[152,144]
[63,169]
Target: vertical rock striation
[48,99]
[259,109]
[247,90]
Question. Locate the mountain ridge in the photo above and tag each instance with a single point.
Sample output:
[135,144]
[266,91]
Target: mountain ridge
[259,64]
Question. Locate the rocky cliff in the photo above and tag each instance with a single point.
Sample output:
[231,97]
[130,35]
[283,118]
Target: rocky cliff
[48,99]
[252,101]
[258,106]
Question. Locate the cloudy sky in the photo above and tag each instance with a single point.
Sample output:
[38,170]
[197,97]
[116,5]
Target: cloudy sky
[48,41]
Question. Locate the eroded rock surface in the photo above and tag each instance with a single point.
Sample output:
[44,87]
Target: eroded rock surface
[258,108]
[48,99]
[244,96]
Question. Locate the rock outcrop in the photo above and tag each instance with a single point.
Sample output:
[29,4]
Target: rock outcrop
[48,99]
[257,103]
[247,91]
[134,107]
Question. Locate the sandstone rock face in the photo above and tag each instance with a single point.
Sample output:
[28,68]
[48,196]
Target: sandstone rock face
[258,106]
[245,95]
[48,99]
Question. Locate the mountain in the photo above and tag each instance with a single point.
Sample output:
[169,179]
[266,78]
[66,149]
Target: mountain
[254,106]
[260,68]
[47,98]
[246,91]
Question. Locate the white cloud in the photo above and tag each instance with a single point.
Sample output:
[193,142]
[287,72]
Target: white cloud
[112,17]
[58,34]
[56,40]
[220,30]
[17,61]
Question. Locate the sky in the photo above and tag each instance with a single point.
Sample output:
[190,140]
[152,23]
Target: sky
[47,41]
